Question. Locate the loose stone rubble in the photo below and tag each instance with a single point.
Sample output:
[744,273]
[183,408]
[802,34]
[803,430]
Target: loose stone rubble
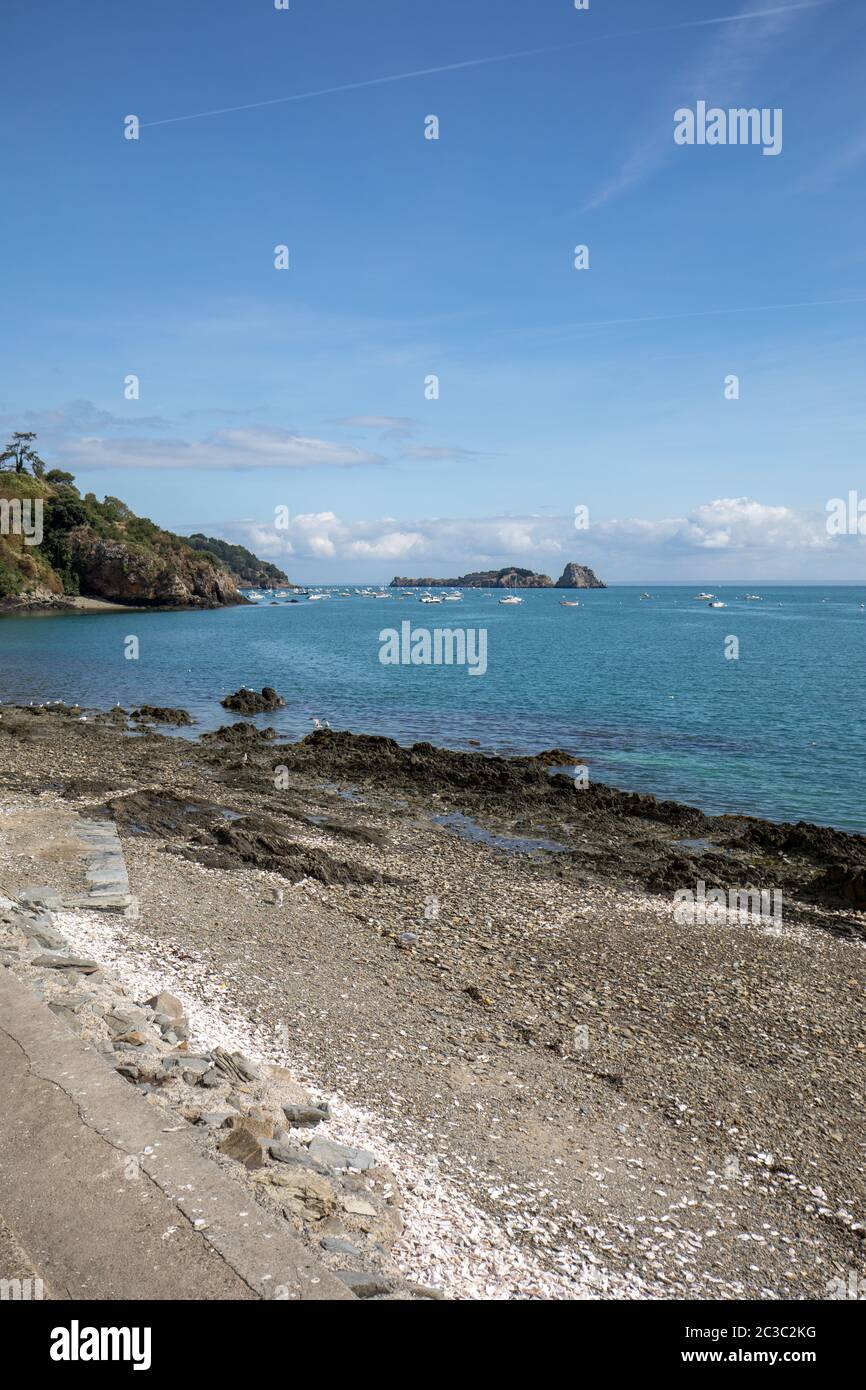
[253,1119]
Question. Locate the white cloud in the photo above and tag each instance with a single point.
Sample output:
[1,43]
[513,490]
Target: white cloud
[391,426]
[433,453]
[736,535]
[222,449]
[729,523]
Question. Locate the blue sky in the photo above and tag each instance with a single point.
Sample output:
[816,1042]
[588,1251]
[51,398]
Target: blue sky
[410,257]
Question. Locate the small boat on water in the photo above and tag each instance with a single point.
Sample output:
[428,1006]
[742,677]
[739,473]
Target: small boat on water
[717,603]
[643,596]
[315,597]
[754,598]
[512,598]
[569,603]
[430,598]
[707,597]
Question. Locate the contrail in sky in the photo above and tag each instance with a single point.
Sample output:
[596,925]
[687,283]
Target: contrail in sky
[707,313]
[498,58]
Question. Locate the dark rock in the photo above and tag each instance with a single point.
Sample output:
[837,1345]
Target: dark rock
[263,843]
[260,1125]
[84,967]
[578,577]
[246,701]
[240,733]
[843,883]
[245,1147]
[305,1115]
[162,714]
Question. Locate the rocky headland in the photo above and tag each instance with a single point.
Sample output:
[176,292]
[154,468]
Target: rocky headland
[59,550]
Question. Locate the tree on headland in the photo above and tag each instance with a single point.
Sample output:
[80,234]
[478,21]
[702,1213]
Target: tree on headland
[19,452]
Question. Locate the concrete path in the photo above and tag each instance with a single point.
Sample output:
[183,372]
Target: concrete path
[108,1199]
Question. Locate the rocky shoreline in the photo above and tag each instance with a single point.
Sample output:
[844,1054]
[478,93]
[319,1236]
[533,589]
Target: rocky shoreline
[482,954]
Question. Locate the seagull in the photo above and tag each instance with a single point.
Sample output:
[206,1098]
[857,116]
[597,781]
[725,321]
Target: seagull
[320,724]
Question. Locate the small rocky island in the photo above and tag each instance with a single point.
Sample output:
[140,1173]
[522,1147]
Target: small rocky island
[574,576]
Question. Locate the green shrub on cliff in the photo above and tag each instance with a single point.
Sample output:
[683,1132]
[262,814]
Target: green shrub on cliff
[101,548]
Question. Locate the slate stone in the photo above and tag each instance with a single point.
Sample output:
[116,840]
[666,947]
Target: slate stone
[340,1155]
[305,1115]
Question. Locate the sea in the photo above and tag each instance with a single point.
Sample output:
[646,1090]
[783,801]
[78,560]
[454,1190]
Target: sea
[758,707]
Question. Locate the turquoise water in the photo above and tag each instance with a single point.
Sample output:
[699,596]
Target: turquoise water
[640,689]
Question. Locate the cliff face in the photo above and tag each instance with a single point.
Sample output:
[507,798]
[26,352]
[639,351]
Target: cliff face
[147,578]
[56,545]
[573,577]
[579,577]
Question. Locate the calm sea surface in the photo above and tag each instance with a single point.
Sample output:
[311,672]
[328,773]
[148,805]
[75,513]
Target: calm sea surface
[640,689]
